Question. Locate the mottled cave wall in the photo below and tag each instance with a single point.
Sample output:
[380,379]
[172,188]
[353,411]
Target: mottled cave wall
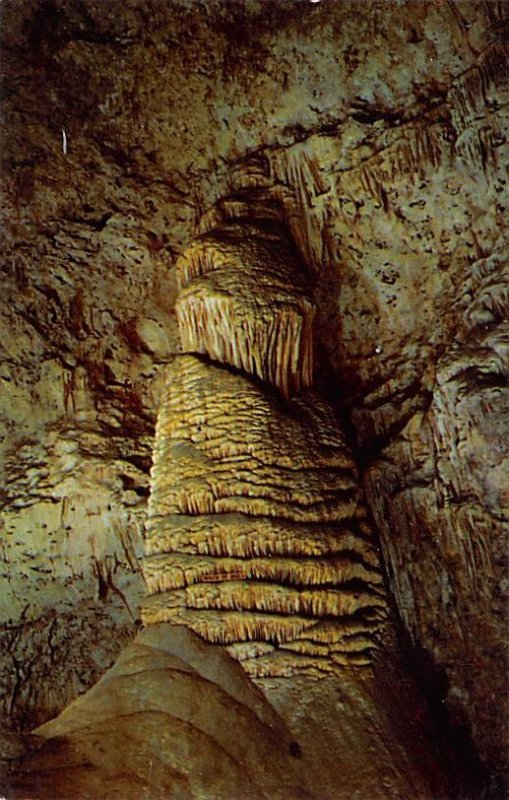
[379,133]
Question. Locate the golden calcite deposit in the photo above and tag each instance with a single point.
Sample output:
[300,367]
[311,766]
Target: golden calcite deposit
[246,488]
[236,460]
[244,301]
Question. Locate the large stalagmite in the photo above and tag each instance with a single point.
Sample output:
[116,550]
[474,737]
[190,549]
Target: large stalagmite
[300,207]
[228,447]
[247,485]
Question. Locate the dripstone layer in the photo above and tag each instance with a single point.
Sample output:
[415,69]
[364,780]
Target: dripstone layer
[230,455]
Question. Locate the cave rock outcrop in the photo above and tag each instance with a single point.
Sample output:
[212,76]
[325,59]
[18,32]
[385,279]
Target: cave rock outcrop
[356,157]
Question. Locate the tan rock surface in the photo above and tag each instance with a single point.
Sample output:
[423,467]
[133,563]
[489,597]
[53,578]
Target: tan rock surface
[409,238]
[383,136]
[244,301]
[176,717]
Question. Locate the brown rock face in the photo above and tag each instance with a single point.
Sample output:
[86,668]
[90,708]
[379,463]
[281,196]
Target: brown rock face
[416,332]
[358,155]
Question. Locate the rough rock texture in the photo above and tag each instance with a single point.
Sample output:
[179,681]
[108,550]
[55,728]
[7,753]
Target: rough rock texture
[409,236]
[235,460]
[381,131]
[241,467]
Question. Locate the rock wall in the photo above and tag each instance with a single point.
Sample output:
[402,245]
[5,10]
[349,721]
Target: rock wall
[381,132]
[409,235]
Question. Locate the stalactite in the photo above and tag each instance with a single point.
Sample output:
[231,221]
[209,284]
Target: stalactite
[418,147]
[469,92]
[241,304]
[312,178]
[304,193]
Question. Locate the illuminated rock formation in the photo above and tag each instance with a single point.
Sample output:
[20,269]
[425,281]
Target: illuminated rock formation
[245,491]
[236,466]
[367,146]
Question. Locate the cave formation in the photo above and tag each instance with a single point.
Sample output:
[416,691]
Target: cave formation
[255,435]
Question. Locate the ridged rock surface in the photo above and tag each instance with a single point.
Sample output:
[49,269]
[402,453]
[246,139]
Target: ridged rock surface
[377,134]
[272,484]
[244,301]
